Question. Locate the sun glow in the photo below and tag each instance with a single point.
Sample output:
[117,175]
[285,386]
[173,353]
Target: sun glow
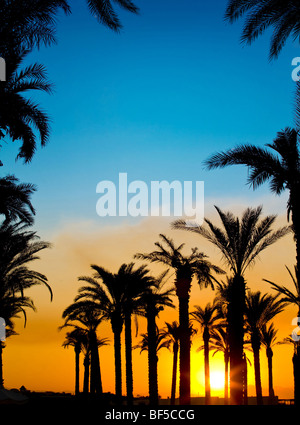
[217,380]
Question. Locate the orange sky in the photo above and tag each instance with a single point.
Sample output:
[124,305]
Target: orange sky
[36,359]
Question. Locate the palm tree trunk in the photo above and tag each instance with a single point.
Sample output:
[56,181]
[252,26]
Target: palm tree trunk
[128,357]
[174,373]
[77,354]
[269,353]
[296,367]
[86,364]
[1,365]
[245,380]
[258,387]
[152,357]
[118,365]
[184,349]
[206,366]
[226,393]
[236,338]
[96,381]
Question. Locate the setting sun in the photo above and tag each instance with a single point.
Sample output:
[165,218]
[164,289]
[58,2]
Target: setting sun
[217,380]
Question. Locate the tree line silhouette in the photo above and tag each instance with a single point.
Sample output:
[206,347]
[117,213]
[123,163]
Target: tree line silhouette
[237,316]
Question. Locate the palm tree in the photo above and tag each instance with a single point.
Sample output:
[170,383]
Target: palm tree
[15,201]
[219,343]
[282,16]
[106,290]
[173,332]
[161,340]
[206,317]
[20,116]
[294,299]
[79,339]
[33,22]
[28,23]
[269,340]
[291,340]
[240,242]
[154,300]
[75,339]
[10,307]
[279,165]
[84,313]
[19,246]
[136,282]
[185,268]
[260,309]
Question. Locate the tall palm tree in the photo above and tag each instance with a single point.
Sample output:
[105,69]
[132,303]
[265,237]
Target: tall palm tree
[278,163]
[219,344]
[260,309]
[106,290]
[74,339]
[15,203]
[20,116]
[136,282]
[154,299]
[207,319]
[283,16]
[269,340]
[173,332]
[240,241]
[292,298]
[84,313]
[186,267]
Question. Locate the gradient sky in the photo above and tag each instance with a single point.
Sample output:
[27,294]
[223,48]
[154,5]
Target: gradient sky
[154,101]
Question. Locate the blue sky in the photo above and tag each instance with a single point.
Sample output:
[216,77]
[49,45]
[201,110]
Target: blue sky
[154,101]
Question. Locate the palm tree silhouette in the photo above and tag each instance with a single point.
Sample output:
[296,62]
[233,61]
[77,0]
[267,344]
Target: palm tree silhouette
[28,24]
[294,299]
[154,299]
[75,339]
[282,16]
[260,309]
[118,296]
[185,268]
[219,344]
[10,307]
[268,334]
[136,282]
[84,313]
[291,340]
[106,290]
[279,165]
[207,318]
[161,340]
[18,247]
[33,22]
[20,116]
[79,339]
[15,203]
[173,332]
[240,241]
